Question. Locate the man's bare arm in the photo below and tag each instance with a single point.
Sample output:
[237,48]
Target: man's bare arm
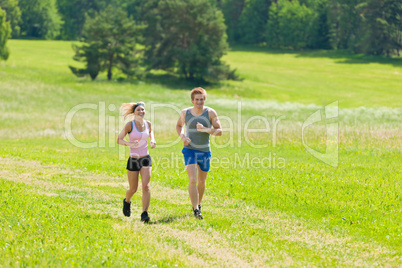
[217,128]
[179,128]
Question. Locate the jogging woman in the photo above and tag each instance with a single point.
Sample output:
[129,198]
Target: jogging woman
[139,162]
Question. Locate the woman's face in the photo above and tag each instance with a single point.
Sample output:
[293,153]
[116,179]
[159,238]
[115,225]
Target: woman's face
[140,111]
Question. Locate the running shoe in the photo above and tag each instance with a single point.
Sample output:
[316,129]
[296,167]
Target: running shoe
[197,214]
[144,217]
[126,208]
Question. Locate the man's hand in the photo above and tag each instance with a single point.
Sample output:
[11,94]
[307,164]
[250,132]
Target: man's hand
[200,127]
[186,141]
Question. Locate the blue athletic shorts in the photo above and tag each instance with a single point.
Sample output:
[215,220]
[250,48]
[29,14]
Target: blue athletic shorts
[203,159]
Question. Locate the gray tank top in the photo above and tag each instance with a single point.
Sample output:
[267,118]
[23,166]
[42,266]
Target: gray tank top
[199,140]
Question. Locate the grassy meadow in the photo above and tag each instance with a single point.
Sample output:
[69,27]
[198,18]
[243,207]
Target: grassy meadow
[268,201]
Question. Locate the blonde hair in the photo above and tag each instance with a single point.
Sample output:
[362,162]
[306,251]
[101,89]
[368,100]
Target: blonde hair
[198,90]
[127,109]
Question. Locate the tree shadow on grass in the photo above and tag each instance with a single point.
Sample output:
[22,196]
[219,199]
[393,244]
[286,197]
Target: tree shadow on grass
[172,81]
[169,219]
[340,56]
[169,81]
[346,57]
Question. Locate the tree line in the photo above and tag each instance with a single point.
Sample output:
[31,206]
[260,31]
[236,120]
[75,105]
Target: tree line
[362,26]
[190,36]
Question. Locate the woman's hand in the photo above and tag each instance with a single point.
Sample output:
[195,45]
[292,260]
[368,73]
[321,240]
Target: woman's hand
[153,144]
[134,144]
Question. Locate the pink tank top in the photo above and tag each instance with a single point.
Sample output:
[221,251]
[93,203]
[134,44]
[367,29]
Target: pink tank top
[142,137]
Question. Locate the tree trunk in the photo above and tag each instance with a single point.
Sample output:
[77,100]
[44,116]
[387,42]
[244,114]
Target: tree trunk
[109,71]
[109,74]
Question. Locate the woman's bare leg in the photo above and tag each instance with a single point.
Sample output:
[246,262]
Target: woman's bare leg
[133,184]
[146,187]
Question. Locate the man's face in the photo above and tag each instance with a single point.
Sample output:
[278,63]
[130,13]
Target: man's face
[198,100]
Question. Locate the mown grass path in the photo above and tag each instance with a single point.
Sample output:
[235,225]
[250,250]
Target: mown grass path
[242,237]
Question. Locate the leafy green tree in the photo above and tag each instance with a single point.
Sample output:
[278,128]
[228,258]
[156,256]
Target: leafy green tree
[73,14]
[5,30]
[134,8]
[253,21]
[40,18]
[13,15]
[187,37]
[295,24]
[109,40]
[291,25]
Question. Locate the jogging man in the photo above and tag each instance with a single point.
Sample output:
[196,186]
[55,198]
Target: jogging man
[200,121]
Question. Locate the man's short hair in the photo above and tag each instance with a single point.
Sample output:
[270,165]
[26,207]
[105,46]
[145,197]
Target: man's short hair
[198,90]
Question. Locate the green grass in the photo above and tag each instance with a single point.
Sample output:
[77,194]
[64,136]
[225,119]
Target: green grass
[48,231]
[62,203]
[316,77]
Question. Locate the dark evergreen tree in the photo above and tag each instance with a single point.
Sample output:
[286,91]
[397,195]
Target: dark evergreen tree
[90,55]
[273,35]
[320,30]
[382,25]
[345,24]
[232,10]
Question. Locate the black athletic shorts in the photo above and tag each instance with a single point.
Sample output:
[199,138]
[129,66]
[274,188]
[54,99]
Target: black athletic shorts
[135,164]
